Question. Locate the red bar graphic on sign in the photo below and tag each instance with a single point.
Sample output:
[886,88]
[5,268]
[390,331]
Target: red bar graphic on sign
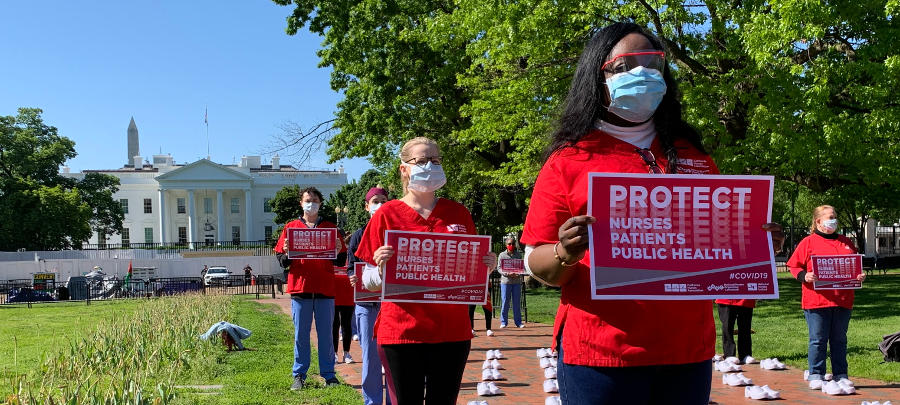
[836,272]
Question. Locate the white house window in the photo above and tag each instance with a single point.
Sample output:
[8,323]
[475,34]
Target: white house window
[126,237]
[235,206]
[148,206]
[148,235]
[207,205]
[235,234]
[181,206]
[267,205]
[124,204]
[182,234]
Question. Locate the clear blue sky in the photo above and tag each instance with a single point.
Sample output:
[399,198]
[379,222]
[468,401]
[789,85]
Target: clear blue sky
[93,65]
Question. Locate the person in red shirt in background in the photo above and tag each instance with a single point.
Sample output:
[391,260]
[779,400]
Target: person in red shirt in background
[343,314]
[742,312]
[422,345]
[827,312]
[622,114]
[310,282]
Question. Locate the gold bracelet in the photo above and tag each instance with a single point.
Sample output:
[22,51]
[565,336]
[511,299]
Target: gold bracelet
[560,260]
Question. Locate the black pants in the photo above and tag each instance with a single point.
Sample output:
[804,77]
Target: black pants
[728,314]
[432,371]
[343,315]
[487,316]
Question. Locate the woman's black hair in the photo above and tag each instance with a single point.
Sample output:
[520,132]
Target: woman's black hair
[584,103]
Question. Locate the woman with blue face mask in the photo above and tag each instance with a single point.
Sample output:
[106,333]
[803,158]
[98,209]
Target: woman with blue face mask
[622,114]
[827,312]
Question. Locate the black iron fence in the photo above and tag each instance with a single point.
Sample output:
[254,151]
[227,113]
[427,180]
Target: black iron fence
[87,290]
[209,245]
[497,299]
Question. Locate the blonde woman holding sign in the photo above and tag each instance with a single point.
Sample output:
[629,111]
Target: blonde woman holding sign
[419,341]
[827,312]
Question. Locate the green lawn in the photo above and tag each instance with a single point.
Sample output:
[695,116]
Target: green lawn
[258,376]
[781,329]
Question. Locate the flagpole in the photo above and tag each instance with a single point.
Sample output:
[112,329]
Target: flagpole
[206,121]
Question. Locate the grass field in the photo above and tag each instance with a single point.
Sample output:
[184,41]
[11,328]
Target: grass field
[32,340]
[781,329]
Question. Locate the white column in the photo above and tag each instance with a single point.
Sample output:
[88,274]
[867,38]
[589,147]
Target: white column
[190,230]
[220,226]
[162,215]
[248,235]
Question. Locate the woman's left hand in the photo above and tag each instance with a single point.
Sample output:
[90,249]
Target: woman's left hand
[490,260]
[861,277]
[777,235]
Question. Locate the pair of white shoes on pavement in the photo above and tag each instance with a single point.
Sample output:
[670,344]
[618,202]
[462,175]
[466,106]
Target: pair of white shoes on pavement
[493,355]
[726,366]
[545,352]
[550,372]
[876,403]
[554,400]
[764,392]
[477,403]
[487,389]
[491,374]
[736,380]
[772,364]
[494,364]
[547,362]
[551,386]
[842,387]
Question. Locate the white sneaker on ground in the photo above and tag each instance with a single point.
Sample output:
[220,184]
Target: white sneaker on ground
[502,325]
[495,374]
[828,377]
[483,389]
[545,362]
[736,380]
[492,354]
[477,403]
[522,326]
[754,392]
[495,364]
[816,384]
[726,366]
[750,360]
[847,389]
[498,353]
[553,401]
[718,358]
[486,365]
[355,337]
[770,393]
[554,361]
[347,358]
[486,375]
[550,372]
[542,352]
[832,388]
[551,386]
[495,390]
[336,358]
[774,364]
[805,375]
[846,381]
[489,332]
[733,359]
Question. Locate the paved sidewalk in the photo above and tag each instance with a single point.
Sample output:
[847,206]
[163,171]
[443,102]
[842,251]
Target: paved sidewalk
[523,377]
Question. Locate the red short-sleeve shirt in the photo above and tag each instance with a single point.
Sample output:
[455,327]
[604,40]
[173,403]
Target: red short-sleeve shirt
[308,275]
[799,261]
[343,291]
[614,333]
[405,322]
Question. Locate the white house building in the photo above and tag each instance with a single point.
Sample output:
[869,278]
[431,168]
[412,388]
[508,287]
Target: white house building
[201,201]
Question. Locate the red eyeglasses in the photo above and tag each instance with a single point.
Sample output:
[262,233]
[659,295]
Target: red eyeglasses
[650,160]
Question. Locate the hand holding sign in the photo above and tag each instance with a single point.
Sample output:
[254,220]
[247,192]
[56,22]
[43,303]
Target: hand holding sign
[382,255]
[573,238]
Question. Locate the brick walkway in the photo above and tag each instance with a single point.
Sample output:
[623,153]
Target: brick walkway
[523,377]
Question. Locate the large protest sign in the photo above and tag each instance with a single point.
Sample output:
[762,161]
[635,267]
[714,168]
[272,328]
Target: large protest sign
[680,237]
[512,266]
[436,268]
[836,272]
[312,243]
[360,293]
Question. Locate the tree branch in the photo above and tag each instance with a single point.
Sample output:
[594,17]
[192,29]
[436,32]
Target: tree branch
[671,46]
[300,143]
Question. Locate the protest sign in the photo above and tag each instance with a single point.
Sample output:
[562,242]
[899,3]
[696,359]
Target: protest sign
[680,237]
[312,243]
[436,268]
[360,293]
[836,272]
[512,266]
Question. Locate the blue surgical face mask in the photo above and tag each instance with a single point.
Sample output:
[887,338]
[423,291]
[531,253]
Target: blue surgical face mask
[310,208]
[426,179]
[374,207]
[830,225]
[635,94]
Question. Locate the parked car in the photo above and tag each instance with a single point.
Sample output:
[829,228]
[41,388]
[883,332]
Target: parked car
[217,275]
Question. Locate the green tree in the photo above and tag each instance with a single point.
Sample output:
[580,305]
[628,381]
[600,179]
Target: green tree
[352,197]
[803,90]
[40,208]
